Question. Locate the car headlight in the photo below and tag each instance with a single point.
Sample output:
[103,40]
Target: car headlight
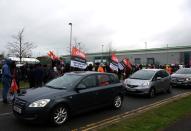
[188,79]
[40,103]
[146,84]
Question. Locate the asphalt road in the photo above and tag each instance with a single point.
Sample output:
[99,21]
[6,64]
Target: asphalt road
[9,123]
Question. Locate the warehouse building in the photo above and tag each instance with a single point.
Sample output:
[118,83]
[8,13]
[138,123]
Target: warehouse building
[159,56]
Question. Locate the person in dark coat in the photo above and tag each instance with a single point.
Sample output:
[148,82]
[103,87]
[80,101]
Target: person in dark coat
[53,74]
[46,73]
[31,77]
[90,67]
[38,75]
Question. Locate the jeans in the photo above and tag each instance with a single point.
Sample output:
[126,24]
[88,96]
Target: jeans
[6,85]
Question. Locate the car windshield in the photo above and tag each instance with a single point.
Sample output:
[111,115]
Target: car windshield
[143,75]
[184,71]
[64,82]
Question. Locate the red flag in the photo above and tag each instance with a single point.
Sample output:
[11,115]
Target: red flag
[50,54]
[114,58]
[127,63]
[53,56]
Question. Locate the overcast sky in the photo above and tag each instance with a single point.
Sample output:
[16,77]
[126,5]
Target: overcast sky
[126,24]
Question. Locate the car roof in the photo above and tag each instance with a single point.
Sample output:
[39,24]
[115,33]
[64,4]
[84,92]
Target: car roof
[186,68]
[84,73]
[153,69]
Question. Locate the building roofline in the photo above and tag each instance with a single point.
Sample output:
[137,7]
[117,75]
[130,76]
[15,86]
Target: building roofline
[140,50]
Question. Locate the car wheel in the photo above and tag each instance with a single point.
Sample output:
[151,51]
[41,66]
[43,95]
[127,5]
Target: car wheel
[169,90]
[152,93]
[117,102]
[59,115]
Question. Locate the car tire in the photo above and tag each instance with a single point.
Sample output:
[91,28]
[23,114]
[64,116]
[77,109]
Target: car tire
[117,102]
[169,90]
[152,93]
[59,115]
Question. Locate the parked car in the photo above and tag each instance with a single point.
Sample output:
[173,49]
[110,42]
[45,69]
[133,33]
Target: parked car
[148,82]
[70,94]
[181,77]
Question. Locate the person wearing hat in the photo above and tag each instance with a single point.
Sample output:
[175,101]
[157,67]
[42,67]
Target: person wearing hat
[6,79]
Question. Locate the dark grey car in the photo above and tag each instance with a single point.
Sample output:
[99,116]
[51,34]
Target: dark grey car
[182,77]
[68,95]
[148,81]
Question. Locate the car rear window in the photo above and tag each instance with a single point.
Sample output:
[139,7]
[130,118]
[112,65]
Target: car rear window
[114,79]
[90,81]
[103,80]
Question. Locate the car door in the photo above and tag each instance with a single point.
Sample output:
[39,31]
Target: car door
[158,83]
[84,99]
[166,80]
[105,90]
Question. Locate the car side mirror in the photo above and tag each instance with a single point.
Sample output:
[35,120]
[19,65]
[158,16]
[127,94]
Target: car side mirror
[159,78]
[81,86]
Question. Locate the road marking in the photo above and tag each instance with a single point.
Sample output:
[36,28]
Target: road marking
[117,118]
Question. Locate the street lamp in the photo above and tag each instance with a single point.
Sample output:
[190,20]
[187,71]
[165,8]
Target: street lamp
[167,54]
[102,53]
[79,46]
[146,53]
[70,38]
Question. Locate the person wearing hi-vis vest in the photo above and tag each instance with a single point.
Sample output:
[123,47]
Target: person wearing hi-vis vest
[100,68]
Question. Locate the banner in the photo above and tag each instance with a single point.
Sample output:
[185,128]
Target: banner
[121,66]
[114,62]
[78,59]
[77,53]
[125,64]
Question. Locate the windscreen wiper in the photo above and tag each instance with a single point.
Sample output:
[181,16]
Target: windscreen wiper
[54,87]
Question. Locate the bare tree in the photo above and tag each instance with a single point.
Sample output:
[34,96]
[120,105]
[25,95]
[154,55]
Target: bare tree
[19,47]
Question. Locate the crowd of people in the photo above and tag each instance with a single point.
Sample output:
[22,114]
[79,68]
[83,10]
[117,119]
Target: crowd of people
[37,75]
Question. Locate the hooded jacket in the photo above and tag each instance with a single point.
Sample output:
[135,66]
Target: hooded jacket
[6,70]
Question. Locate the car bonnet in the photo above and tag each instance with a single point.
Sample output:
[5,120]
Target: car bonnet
[34,94]
[136,81]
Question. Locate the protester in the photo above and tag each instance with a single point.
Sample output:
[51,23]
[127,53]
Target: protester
[38,75]
[107,68]
[53,74]
[46,73]
[101,68]
[31,77]
[90,67]
[6,79]
[14,89]
[169,69]
[15,75]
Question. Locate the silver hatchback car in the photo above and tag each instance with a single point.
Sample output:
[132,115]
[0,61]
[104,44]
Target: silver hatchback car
[148,82]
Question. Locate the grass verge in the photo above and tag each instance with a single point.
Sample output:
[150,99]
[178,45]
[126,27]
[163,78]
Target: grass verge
[155,119]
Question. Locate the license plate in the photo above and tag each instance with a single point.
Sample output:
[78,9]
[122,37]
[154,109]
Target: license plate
[130,89]
[17,109]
